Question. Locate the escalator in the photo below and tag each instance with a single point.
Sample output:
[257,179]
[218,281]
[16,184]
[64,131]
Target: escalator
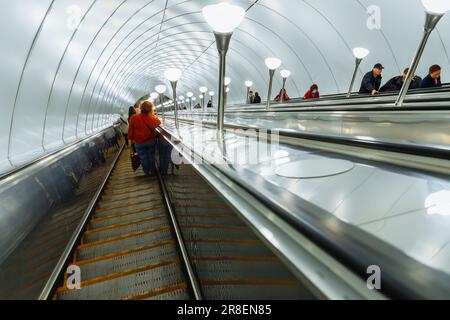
[130,248]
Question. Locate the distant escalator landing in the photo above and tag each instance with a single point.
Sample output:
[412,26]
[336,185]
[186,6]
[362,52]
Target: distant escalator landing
[130,251]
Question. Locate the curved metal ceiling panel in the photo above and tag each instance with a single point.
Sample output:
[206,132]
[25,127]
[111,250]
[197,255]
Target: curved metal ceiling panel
[69,65]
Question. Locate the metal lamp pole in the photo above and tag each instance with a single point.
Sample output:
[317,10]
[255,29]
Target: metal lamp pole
[355,72]
[431,21]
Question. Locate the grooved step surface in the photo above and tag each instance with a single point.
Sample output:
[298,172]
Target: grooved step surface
[128,250]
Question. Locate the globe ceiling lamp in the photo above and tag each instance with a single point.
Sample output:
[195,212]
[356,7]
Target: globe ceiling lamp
[173,75]
[223,18]
[161,89]
[285,74]
[359,54]
[272,64]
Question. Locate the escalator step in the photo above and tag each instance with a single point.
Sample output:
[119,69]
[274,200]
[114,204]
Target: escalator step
[196,232]
[126,209]
[288,291]
[118,230]
[209,220]
[123,244]
[235,267]
[129,261]
[104,204]
[223,248]
[105,222]
[129,285]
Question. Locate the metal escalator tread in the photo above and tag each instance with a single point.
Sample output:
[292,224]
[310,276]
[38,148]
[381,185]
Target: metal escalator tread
[128,250]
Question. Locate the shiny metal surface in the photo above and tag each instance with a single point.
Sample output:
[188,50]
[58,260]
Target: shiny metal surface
[40,208]
[58,269]
[312,169]
[410,127]
[376,199]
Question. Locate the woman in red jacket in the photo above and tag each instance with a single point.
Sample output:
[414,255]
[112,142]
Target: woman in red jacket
[313,93]
[142,132]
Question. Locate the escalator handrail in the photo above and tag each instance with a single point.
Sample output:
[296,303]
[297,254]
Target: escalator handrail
[57,154]
[365,107]
[422,96]
[439,152]
[402,276]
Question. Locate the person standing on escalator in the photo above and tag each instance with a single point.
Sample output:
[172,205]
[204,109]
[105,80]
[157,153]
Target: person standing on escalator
[256,98]
[396,83]
[371,82]
[313,93]
[433,79]
[142,132]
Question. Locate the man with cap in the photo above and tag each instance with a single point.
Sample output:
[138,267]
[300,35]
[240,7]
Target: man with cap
[372,80]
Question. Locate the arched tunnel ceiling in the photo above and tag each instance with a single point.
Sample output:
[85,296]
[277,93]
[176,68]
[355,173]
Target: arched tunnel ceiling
[67,66]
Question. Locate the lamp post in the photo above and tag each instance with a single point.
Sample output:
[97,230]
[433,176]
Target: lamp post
[203,90]
[173,75]
[273,64]
[359,54]
[190,95]
[201,96]
[223,18]
[249,85]
[434,11]
[161,89]
[285,74]
[181,98]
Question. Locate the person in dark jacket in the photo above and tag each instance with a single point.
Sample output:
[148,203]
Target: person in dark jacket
[257,98]
[251,96]
[210,104]
[396,83]
[371,82]
[433,79]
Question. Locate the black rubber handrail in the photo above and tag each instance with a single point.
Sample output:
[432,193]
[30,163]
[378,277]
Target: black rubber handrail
[402,277]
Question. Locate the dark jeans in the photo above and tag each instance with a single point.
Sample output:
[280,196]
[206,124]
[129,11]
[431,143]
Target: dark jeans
[165,152]
[146,154]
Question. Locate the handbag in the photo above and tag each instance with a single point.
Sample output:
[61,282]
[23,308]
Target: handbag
[135,160]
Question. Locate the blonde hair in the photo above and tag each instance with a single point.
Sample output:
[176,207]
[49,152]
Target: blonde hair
[147,107]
